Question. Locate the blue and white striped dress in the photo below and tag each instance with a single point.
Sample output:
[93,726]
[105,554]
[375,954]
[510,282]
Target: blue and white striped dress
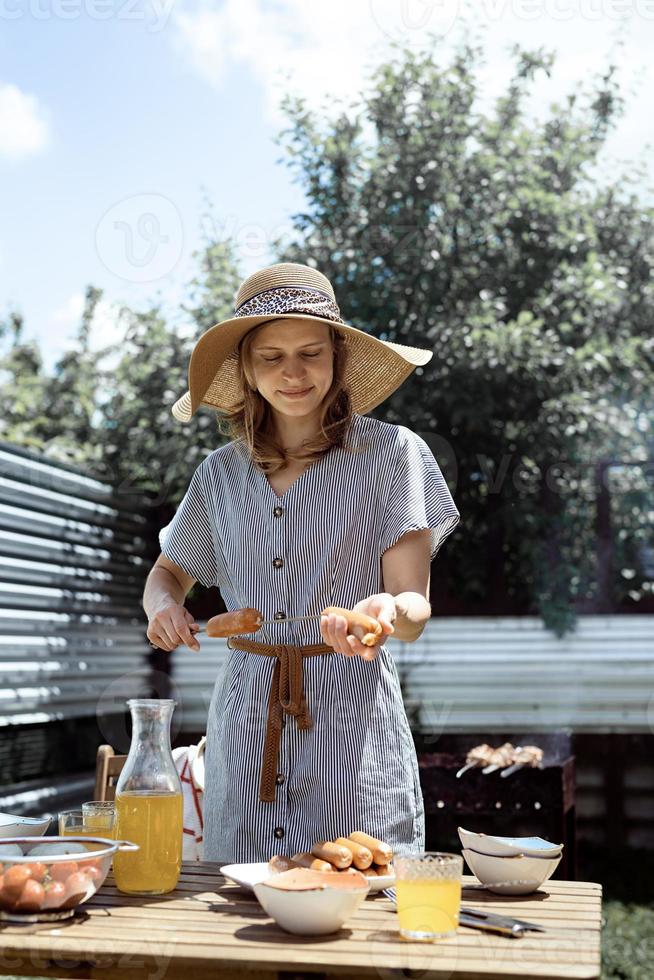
[356,767]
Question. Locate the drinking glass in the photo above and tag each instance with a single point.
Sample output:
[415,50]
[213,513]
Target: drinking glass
[100,818]
[428,890]
[71,824]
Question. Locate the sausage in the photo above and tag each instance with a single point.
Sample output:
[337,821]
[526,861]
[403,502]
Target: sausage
[306,860]
[231,623]
[340,857]
[280,863]
[381,852]
[361,856]
[365,628]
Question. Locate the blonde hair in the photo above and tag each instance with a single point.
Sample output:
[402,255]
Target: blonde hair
[251,420]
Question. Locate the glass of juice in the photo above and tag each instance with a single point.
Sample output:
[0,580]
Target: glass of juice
[428,890]
[100,818]
[71,824]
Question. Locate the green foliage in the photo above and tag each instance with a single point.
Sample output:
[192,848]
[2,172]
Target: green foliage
[484,237]
[109,410]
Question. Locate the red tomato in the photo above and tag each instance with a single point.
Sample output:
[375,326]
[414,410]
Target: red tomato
[77,888]
[38,870]
[15,877]
[55,893]
[62,871]
[31,897]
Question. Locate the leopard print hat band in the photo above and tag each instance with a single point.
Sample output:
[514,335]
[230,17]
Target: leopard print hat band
[291,299]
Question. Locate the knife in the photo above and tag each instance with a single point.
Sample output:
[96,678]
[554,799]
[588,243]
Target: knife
[490,921]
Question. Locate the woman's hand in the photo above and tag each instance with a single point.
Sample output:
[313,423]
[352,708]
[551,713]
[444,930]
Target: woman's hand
[334,628]
[170,626]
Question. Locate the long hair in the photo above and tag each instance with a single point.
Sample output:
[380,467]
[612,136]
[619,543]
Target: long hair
[251,420]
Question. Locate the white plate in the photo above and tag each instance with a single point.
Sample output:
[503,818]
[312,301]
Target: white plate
[249,875]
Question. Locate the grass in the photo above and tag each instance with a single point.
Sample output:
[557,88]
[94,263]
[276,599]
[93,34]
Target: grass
[627,877]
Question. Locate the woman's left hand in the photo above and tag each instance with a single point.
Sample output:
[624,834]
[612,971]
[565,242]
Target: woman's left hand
[334,628]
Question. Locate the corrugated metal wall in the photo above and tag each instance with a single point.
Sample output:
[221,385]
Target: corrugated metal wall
[492,674]
[73,559]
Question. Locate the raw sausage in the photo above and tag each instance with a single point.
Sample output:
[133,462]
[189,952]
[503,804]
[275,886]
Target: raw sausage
[381,852]
[306,860]
[340,857]
[232,623]
[361,856]
[279,863]
[365,628]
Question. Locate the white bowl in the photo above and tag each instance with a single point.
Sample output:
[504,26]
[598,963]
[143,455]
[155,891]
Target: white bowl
[314,912]
[508,846]
[14,826]
[516,874]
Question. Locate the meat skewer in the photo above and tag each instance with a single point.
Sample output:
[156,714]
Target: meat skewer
[477,756]
[249,620]
[500,757]
[525,755]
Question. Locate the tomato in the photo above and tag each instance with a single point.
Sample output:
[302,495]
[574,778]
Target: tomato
[14,879]
[32,896]
[62,871]
[55,893]
[78,886]
[95,874]
[38,870]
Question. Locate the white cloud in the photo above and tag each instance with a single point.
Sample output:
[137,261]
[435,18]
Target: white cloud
[23,128]
[314,49]
[325,49]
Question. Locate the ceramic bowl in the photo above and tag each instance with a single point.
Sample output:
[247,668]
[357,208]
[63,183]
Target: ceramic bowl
[14,826]
[516,874]
[507,846]
[52,874]
[314,912]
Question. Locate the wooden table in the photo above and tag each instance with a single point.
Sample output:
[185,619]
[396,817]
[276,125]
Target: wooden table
[208,927]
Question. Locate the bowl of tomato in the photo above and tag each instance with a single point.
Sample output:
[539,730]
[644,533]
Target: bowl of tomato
[53,874]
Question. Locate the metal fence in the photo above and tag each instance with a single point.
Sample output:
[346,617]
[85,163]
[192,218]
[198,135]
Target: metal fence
[73,559]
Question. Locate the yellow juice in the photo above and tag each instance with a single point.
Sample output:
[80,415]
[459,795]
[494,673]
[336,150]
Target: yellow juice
[99,825]
[81,832]
[428,905]
[154,822]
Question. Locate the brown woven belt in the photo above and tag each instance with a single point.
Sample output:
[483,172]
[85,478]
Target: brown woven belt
[286,695]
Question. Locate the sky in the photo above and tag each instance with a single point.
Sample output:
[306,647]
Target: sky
[119,119]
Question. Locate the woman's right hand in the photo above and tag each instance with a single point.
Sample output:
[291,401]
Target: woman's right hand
[171,626]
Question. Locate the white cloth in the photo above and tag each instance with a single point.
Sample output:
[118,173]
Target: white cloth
[189,762]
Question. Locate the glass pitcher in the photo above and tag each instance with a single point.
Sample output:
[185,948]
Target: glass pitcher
[149,804]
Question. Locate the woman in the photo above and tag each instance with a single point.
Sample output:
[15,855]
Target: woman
[311,504]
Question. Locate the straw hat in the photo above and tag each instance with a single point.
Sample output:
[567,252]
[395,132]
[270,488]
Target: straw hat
[291,291]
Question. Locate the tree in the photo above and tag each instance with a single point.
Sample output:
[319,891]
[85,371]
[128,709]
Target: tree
[483,236]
